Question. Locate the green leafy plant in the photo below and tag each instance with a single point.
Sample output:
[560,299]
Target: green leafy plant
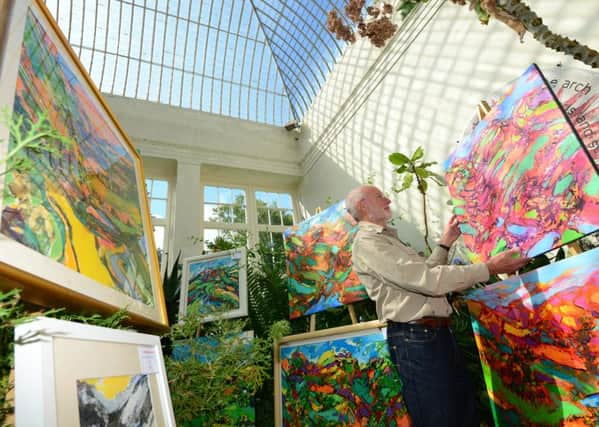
[222,368]
[39,136]
[413,169]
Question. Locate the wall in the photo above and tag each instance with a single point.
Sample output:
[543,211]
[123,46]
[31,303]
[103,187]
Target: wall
[421,90]
[189,148]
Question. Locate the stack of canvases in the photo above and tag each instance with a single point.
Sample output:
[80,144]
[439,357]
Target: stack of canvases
[522,178]
[337,376]
[75,232]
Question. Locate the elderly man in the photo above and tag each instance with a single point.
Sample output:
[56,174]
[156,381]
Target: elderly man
[409,292]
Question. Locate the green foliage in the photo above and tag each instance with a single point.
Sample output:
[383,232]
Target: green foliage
[39,136]
[171,285]
[14,312]
[410,169]
[223,369]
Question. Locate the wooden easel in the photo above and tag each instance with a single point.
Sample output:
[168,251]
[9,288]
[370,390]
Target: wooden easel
[352,315]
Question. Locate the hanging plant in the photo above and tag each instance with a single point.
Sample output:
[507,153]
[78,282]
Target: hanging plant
[373,22]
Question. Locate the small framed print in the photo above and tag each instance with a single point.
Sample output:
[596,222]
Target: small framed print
[218,282]
[71,374]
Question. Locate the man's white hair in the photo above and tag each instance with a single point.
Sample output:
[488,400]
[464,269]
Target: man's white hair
[353,199]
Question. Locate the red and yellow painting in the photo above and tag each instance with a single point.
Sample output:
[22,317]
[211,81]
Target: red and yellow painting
[538,339]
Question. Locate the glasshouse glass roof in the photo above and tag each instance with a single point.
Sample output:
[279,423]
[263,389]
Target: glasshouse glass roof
[260,60]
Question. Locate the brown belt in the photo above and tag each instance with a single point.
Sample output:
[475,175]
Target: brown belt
[433,322]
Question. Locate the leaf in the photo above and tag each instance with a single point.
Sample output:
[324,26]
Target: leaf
[422,186]
[407,181]
[422,173]
[398,159]
[438,179]
[418,154]
[426,164]
[401,169]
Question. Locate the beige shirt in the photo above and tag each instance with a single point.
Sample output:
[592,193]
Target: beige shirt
[404,285]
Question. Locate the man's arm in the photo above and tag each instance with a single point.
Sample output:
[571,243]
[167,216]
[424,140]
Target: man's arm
[400,269]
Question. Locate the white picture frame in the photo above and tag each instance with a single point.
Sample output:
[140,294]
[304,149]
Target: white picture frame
[53,356]
[233,259]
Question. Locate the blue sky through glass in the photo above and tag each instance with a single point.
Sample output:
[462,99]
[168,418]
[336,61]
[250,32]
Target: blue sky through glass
[259,60]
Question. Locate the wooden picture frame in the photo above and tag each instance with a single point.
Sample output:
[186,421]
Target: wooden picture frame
[76,230]
[229,285]
[62,369]
[324,344]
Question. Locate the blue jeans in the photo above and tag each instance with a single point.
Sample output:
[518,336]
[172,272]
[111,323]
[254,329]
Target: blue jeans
[436,387]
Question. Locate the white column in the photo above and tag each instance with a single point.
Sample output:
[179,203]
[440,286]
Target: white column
[188,210]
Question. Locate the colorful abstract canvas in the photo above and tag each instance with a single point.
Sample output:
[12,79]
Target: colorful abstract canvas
[80,205]
[538,339]
[522,178]
[73,213]
[577,90]
[348,379]
[319,266]
[115,401]
[217,283]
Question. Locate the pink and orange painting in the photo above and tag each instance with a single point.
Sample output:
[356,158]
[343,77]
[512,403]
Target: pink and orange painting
[522,178]
[538,339]
[319,266]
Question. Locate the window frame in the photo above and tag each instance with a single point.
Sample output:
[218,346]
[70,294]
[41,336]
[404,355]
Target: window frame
[251,226]
[166,222]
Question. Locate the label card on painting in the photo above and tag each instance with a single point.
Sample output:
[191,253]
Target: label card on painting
[148,360]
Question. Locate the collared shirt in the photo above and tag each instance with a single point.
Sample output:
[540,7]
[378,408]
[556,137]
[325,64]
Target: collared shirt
[404,285]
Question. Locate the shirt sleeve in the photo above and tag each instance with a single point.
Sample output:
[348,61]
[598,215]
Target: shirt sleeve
[404,271]
[438,257]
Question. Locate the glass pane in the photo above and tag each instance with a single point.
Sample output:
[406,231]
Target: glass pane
[261,196]
[271,200]
[210,212]
[159,232]
[158,208]
[224,195]
[238,214]
[262,216]
[221,240]
[275,217]
[288,218]
[264,237]
[238,196]
[285,201]
[210,194]
[160,189]
[148,186]
[277,240]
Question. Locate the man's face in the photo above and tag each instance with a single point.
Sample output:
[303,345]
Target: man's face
[376,205]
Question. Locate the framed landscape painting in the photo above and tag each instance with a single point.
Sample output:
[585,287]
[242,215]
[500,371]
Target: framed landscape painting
[538,339]
[75,228]
[217,283]
[319,267]
[71,374]
[522,178]
[339,376]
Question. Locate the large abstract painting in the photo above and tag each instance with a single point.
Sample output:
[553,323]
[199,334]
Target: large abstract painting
[577,90]
[79,201]
[216,283]
[319,266]
[340,379]
[538,338]
[115,401]
[522,178]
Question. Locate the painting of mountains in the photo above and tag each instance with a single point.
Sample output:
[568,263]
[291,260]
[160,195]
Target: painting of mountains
[115,402]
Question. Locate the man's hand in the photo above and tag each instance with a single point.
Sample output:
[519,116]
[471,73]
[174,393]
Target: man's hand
[506,262]
[451,232]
